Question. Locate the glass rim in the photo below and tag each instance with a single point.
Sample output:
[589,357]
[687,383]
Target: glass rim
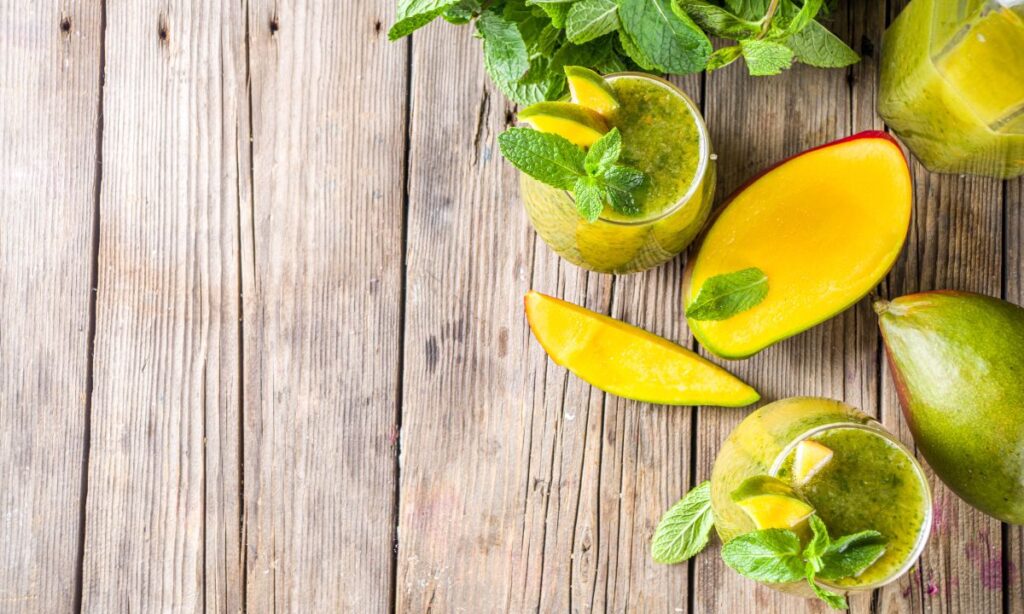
[926,530]
[705,150]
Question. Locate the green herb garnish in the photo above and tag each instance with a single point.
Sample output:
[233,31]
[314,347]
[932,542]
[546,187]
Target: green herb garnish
[527,42]
[594,177]
[726,295]
[685,528]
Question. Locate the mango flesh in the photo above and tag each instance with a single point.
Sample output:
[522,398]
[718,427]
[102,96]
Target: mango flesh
[771,503]
[809,459]
[578,124]
[824,226]
[590,90]
[627,361]
[958,365]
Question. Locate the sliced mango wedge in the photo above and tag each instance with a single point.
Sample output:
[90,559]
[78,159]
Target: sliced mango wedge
[810,457]
[576,123]
[591,90]
[627,361]
[771,503]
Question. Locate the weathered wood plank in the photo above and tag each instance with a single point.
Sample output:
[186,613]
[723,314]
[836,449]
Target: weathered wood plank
[49,101]
[163,513]
[1013,287]
[322,266]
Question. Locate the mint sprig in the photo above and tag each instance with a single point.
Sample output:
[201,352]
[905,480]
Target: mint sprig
[685,528]
[595,177]
[723,296]
[527,42]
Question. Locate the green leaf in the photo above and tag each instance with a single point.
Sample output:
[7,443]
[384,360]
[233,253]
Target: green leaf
[463,12]
[557,12]
[598,54]
[505,57]
[726,295]
[834,601]
[818,543]
[414,14]
[717,21]
[590,19]
[769,555]
[604,153]
[849,556]
[672,42]
[685,527]
[635,53]
[589,198]
[793,22]
[766,57]
[620,181]
[723,57]
[816,46]
[546,157]
[748,9]
[539,83]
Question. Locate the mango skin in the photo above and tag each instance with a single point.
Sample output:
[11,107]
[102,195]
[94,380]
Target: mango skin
[958,362]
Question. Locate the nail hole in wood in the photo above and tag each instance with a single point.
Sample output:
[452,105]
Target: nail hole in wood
[162,30]
[65,25]
[275,25]
[377,26]
[509,118]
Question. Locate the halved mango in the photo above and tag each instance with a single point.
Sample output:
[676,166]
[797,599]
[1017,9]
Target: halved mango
[627,361]
[825,226]
[590,90]
[577,123]
[808,460]
[771,503]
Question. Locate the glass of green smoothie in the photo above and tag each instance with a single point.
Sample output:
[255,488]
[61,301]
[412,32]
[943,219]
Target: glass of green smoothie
[664,136]
[952,84]
[868,482]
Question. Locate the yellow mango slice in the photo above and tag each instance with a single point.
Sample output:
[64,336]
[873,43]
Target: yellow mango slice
[809,458]
[771,503]
[576,123]
[590,90]
[627,361]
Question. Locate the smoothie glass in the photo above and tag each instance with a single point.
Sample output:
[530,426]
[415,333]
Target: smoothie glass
[952,84]
[871,483]
[665,137]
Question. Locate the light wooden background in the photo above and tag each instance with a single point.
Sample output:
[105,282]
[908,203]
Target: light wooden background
[262,345]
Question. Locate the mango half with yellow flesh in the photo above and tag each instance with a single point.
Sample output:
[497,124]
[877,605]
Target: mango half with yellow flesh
[578,124]
[825,226]
[771,503]
[591,90]
[958,363]
[627,361]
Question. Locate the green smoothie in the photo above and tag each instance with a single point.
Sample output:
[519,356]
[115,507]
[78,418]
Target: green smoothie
[664,136]
[952,85]
[870,483]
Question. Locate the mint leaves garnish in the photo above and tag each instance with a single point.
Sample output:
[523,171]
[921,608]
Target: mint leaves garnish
[527,42]
[685,528]
[595,178]
[769,555]
[726,295]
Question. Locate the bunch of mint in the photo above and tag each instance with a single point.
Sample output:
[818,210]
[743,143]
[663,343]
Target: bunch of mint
[772,556]
[526,43]
[595,177]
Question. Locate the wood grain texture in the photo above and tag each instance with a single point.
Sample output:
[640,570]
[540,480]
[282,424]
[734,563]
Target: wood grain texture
[163,515]
[1013,289]
[322,267]
[49,101]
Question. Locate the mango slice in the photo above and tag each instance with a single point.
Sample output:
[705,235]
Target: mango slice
[825,227]
[771,503]
[808,460]
[590,90]
[627,361]
[576,123]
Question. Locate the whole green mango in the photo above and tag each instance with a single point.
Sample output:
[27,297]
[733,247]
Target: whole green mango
[958,362]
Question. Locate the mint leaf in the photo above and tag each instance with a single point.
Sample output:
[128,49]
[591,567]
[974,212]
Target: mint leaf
[818,543]
[557,12]
[834,601]
[769,555]
[793,23]
[590,19]
[589,198]
[717,21]
[505,57]
[723,57]
[539,83]
[546,157]
[620,181]
[672,42]
[849,556]
[748,9]
[766,57]
[604,153]
[414,14]
[598,54]
[816,46]
[635,53]
[685,527]
[462,12]
[726,295]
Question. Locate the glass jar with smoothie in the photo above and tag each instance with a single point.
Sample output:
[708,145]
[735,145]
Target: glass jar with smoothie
[864,480]
[952,84]
[664,136]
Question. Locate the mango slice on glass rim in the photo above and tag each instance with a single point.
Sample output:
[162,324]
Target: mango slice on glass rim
[808,460]
[771,503]
[591,90]
[578,124]
[627,361]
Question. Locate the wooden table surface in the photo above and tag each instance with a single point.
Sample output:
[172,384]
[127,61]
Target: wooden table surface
[262,345]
